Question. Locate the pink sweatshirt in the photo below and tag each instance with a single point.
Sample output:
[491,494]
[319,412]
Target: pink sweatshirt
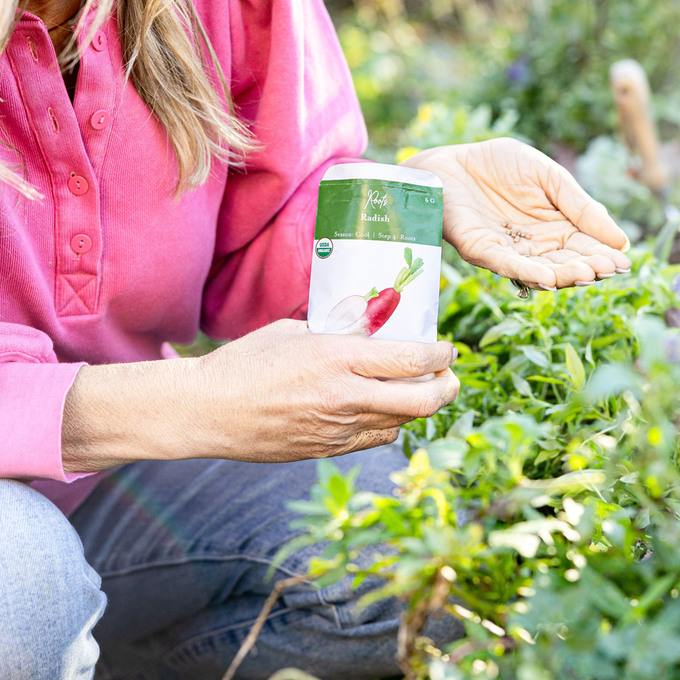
[107,266]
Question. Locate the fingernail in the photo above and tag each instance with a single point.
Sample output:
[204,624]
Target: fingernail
[584,283]
[552,290]
[626,247]
[454,354]
[606,276]
[623,271]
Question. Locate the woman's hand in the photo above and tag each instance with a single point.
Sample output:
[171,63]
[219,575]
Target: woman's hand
[278,394]
[571,238]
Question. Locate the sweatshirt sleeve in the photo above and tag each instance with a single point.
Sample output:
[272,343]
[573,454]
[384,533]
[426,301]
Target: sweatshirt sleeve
[33,387]
[290,82]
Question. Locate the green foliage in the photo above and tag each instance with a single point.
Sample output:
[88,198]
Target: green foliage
[555,71]
[437,124]
[201,345]
[514,355]
[394,70]
[535,69]
[541,508]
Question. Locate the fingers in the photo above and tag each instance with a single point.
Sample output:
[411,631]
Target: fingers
[508,263]
[581,210]
[586,245]
[571,268]
[374,358]
[409,399]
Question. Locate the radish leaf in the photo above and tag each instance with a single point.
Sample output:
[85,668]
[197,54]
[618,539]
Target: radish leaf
[408,256]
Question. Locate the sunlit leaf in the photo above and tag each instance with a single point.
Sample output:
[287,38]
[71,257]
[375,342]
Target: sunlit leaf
[574,366]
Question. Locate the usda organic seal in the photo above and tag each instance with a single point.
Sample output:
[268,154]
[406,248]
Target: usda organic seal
[324,247]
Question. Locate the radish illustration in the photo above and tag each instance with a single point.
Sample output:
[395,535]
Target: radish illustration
[347,311]
[381,307]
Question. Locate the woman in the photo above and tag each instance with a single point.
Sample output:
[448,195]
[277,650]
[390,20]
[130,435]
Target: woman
[136,208]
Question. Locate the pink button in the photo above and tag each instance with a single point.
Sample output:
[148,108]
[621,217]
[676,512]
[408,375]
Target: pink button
[100,119]
[81,243]
[78,185]
[99,41]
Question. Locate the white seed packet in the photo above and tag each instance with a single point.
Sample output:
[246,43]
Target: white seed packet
[376,264]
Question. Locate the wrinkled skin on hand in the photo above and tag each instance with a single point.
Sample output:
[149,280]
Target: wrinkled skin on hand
[573,239]
[275,395]
[282,393]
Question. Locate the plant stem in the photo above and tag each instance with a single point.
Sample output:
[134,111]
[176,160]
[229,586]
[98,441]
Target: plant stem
[248,643]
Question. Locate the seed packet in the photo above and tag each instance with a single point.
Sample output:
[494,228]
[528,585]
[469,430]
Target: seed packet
[376,264]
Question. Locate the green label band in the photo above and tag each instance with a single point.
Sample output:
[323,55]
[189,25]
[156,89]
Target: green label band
[379,210]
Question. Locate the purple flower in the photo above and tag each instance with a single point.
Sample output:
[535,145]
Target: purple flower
[675,284]
[671,348]
[518,71]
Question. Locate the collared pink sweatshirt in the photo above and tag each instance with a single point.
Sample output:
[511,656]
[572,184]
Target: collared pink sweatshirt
[108,266]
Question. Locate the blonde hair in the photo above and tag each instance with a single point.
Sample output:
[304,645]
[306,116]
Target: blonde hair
[172,65]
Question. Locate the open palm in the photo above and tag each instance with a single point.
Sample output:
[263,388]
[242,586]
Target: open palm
[494,187]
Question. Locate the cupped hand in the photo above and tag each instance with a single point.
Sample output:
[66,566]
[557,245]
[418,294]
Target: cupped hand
[502,185]
[283,393]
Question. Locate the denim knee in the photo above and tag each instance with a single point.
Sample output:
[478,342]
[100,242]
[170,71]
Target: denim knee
[49,595]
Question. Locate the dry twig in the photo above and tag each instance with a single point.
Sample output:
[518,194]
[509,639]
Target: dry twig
[412,624]
[248,643]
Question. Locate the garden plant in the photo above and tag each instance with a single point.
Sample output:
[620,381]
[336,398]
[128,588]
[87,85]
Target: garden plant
[542,507]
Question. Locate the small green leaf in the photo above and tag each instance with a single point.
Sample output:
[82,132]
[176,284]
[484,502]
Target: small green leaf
[656,590]
[521,385]
[408,256]
[463,425]
[632,478]
[430,428]
[604,594]
[325,470]
[339,490]
[535,356]
[575,367]
[448,453]
[543,379]
[509,328]
[589,353]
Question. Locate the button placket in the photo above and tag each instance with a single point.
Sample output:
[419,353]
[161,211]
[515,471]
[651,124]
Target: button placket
[95,104]
[74,184]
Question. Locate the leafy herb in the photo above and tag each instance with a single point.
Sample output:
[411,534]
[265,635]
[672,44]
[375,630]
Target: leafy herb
[544,501]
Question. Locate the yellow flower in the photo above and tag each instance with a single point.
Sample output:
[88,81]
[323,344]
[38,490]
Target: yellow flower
[406,152]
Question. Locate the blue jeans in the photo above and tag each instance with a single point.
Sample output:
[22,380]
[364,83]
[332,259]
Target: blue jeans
[182,549]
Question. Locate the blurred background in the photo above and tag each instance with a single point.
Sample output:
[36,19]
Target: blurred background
[431,72]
